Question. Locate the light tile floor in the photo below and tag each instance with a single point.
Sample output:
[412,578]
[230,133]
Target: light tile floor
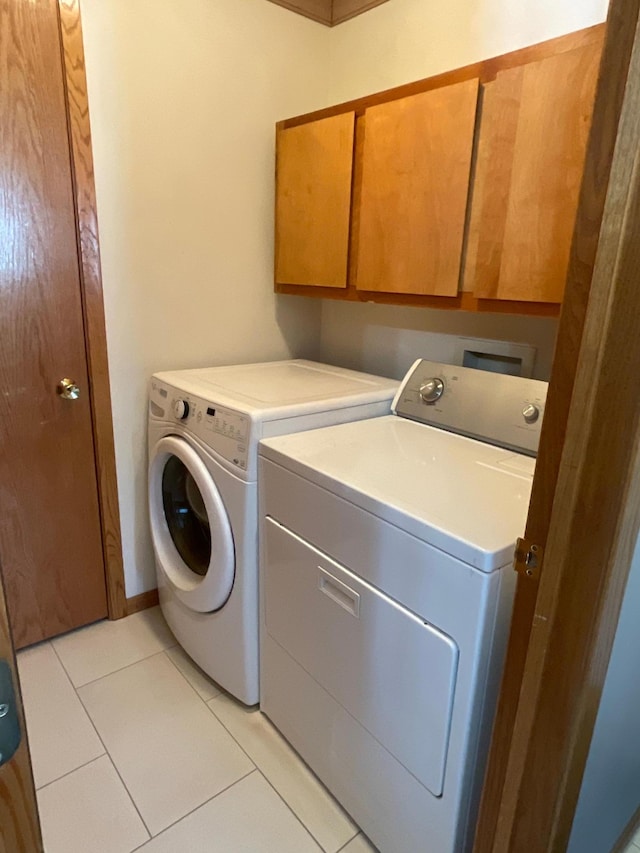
[634,844]
[135,748]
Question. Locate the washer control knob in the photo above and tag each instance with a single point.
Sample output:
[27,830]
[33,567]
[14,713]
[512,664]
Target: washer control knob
[181,409]
[531,413]
[432,390]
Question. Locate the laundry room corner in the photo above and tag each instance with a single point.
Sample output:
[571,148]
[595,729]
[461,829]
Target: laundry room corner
[407,40]
[183,102]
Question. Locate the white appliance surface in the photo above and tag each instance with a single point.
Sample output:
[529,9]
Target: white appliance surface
[461,495]
[204,427]
[278,388]
[386,594]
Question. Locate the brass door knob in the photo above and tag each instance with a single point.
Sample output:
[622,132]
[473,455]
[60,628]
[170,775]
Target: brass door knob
[68,389]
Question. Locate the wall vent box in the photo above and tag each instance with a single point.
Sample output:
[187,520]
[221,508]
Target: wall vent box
[496,356]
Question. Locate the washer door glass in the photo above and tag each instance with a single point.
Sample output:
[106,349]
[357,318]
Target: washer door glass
[190,528]
[186,516]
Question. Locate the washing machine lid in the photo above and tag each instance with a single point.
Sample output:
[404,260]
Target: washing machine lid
[274,389]
[468,498]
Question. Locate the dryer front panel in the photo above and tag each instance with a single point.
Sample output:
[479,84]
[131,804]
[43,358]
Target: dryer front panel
[191,531]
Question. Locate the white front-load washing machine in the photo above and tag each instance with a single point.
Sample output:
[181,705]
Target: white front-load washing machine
[204,429]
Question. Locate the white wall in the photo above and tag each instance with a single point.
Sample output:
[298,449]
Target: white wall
[610,790]
[405,40]
[184,97]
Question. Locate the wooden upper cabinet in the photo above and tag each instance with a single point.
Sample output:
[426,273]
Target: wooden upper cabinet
[313,201]
[410,220]
[533,134]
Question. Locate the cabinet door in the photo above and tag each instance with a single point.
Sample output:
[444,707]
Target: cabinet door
[533,135]
[415,183]
[313,201]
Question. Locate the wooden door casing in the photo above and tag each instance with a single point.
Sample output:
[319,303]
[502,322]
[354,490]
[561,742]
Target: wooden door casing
[531,149]
[493,824]
[19,822]
[314,166]
[50,531]
[416,162]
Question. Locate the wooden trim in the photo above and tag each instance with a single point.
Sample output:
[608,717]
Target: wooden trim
[628,833]
[19,821]
[317,10]
[557,661]
[344,10]
[464,301]
[92,301]
[142,602]
[485,71]
[329,12]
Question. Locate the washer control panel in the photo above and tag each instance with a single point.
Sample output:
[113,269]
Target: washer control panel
[222,429]
[499,409]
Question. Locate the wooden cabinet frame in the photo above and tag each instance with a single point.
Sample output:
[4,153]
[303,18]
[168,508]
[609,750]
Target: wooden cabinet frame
[484,71]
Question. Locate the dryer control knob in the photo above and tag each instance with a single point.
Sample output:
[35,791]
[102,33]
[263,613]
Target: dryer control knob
[531,413]
[181,409]
[432,390]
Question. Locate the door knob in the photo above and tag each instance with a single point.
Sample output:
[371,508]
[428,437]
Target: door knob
[68,389]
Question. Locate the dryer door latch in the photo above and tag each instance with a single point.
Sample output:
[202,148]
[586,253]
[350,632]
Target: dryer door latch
[528,559]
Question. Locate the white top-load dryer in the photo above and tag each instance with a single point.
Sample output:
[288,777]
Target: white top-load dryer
[387,584]
[204,429]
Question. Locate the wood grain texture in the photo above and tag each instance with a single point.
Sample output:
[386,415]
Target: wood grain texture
[19,822]
[344,10]
[608,104]
[485,71]
[142,602]
[92,300]
[415,182]
[314,165]
[50,536]
[317,10]
[579,601]
[461,302]
[533,135]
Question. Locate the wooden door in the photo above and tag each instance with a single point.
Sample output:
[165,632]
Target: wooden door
[533,136]
[50,534]
[585,506]
[19,823]
[313,201]
[415,183]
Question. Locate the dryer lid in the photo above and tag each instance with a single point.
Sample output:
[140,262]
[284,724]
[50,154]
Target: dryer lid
[465,497]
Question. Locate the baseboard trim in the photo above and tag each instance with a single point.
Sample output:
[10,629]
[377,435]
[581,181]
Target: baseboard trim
[628,833]
[142,602]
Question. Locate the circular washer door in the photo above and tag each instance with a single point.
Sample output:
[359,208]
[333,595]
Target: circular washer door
[190,527]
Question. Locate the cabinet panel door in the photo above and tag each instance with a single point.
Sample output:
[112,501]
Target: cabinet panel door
[533,135]
[313,201]
[415,183]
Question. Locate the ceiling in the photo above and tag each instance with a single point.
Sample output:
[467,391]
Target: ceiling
[329,12]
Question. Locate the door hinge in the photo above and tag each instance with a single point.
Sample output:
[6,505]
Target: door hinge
[527,560]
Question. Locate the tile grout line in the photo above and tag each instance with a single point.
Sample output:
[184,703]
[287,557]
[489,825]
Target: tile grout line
[113,672]
[195,809]
[69,772]
[268,781]
[133,802]
[173,663]
[304,826]
[344,846]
